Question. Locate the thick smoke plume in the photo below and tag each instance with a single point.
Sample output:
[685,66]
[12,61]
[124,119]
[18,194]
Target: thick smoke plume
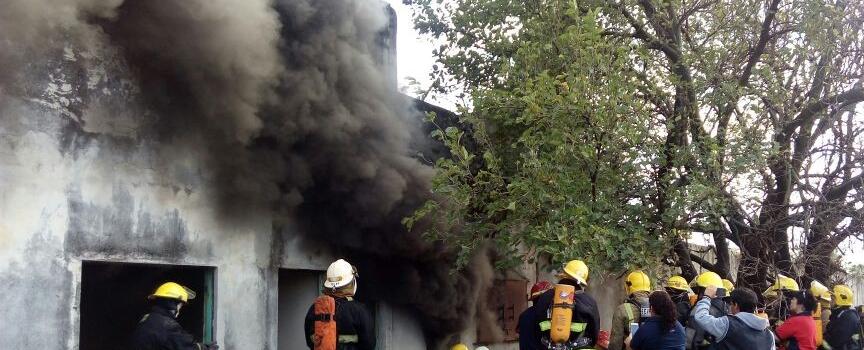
[289,106]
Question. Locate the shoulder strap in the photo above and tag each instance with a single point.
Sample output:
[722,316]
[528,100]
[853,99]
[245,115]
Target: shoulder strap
[644,308]
[629,312]
[641,305]
[840,314]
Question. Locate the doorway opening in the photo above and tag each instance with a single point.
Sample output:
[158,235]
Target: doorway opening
[114,298]
[297,290]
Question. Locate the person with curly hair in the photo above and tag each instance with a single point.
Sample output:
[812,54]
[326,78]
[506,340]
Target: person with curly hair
[661,329]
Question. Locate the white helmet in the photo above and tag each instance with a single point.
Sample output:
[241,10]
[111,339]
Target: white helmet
[482,348]
[339,274]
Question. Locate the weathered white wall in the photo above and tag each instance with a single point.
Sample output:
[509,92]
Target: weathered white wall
[857,286]
[70,192]
[396,329]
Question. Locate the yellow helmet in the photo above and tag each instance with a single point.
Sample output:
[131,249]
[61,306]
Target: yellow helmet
[843,295]
[171,290]
[575,270]
[820,291]
[782,283]
[728,285]
[678,283]
[459,346]
[706,279]
[638,281]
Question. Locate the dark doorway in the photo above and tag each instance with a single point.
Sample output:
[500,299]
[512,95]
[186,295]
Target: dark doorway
[114,298]
[297,291]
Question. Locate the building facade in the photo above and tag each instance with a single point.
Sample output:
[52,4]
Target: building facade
[93,218]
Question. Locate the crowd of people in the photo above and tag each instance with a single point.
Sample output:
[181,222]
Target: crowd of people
[706,314]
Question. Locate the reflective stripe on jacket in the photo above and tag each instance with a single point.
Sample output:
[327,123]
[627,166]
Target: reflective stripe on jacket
[631,311]
[584,311]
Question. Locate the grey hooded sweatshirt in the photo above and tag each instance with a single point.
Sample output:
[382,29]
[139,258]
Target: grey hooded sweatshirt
[743,330]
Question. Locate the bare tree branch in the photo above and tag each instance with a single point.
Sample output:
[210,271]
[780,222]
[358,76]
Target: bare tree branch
[813,109]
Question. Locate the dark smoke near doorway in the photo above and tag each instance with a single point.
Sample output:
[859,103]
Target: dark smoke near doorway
[288,105]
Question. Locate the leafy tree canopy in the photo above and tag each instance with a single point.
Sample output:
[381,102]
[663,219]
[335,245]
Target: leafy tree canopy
[614,131]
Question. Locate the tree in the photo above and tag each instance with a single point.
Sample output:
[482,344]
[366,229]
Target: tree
[614,129]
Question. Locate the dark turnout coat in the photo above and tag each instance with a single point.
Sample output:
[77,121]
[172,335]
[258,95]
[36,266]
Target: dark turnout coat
[525,328]
[159,330]
[843,325]
[352,319]
[584,311]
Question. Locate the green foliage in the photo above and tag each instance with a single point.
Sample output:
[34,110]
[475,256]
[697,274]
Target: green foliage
[609,129]
[562,142]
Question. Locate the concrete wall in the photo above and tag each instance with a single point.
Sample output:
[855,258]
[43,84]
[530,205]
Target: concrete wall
[73,189]
[63,202]
[396,329]
[68,196]
[857,286]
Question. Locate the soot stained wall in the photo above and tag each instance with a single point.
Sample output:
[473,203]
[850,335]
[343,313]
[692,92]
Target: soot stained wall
[69,195]
[120,228]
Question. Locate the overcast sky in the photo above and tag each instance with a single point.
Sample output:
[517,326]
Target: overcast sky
[414,54]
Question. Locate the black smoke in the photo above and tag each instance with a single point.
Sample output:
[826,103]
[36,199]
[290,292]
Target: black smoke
[288,105]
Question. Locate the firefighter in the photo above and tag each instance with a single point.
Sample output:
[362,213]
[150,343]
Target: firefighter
[844,328]
[777,298]
[728,286]
[697,337]
[638,287]
[585,320]
[823,309]
[354,328]
[524,327]
[680,293]
[159,329]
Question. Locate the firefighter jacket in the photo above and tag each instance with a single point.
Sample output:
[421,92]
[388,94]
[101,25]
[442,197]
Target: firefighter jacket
[525,328]
[632,311]
[682,307]
[354,326]
[844,330]
[159,330]
[826,316]
[586,317]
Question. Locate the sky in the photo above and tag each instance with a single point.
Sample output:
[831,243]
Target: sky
[414,56]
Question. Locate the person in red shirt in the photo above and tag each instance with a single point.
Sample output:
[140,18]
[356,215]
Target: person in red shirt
[799,330]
